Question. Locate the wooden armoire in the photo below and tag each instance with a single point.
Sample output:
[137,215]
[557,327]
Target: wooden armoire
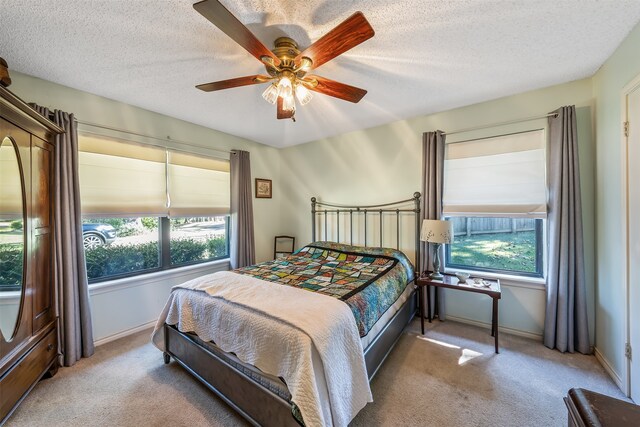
[28,316]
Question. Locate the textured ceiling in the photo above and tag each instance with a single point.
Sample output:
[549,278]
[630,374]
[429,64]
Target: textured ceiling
[426,56]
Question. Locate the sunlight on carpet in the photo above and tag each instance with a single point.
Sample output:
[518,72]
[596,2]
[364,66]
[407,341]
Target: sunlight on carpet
[440,343]
[466,355]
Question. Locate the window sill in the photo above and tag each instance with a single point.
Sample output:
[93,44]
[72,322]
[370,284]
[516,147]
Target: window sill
[506,279]
[10,297]
[145,279]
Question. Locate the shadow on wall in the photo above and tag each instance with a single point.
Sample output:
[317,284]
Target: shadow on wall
[364,167]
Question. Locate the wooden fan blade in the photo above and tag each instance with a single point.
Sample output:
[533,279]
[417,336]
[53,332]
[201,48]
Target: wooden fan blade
[282,113]
[228,84]
[336,89]
[350,33]
[219,16]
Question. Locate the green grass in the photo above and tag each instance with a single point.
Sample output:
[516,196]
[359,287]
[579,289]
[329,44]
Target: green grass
[504,251]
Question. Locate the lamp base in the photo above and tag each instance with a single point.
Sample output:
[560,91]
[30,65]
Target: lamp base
[436,263]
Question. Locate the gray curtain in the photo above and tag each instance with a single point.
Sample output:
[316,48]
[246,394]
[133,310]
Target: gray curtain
[432,188]
[566,327]
[242,244]
[76,332]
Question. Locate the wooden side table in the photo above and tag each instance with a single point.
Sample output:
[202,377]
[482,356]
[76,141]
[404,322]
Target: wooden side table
[424,282]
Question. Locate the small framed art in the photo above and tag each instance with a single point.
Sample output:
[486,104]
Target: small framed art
[263,188]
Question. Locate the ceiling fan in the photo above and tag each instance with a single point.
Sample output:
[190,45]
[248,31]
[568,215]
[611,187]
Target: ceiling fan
[286,65]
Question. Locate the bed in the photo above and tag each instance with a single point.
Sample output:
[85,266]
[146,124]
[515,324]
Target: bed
[289,352]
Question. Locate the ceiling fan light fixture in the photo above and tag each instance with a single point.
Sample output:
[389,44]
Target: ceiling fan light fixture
[286,65]
[271,93]
[303,94]
[285,88]
[289,103]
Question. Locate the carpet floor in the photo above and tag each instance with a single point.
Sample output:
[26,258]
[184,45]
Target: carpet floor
[448,377]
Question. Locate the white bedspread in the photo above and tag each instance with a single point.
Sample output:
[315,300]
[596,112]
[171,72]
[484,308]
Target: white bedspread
[309,339]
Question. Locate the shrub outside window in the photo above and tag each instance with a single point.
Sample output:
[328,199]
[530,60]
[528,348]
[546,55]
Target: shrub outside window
[198,239]
[11,253]
[138,246]
[134,249]
[498,245]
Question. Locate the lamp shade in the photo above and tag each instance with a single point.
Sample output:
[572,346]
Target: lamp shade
[436,231]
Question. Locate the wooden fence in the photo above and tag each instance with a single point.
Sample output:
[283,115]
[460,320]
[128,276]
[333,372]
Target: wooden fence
[469,226]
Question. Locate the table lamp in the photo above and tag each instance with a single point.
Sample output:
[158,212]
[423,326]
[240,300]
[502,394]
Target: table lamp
[436,232]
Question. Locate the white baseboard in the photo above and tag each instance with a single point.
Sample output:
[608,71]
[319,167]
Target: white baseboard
[612,373]
[123,334]
[526,334]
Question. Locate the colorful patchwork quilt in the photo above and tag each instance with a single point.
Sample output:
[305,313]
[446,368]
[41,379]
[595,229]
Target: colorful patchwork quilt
[368,280]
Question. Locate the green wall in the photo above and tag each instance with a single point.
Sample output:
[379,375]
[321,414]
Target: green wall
[617,71]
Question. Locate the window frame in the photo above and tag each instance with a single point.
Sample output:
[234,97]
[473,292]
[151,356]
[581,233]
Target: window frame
[164,253]
[165,243]
[540,254]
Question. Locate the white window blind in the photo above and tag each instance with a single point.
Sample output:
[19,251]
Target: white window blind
[498,176]
[117,178]
[198,186]
[125,179]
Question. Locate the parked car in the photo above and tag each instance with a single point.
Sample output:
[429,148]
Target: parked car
[94,235]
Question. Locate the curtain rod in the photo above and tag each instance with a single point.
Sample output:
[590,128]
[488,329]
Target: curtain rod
[528,119]
[150,136]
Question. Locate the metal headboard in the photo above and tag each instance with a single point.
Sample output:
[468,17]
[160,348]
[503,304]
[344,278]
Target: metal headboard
[320,209]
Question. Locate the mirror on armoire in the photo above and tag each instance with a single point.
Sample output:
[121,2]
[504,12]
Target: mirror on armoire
[12,238]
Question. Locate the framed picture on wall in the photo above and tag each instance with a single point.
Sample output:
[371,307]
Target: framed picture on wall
[263,188]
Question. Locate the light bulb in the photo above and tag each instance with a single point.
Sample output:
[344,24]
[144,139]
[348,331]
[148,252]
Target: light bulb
[288,103]
[303,94]
[271,94]
[285,89]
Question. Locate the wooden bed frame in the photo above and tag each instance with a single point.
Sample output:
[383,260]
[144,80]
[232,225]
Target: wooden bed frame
[255,402]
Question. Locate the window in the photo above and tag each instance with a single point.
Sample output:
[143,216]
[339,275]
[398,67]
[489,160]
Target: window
[149,209]
[495,194]
[499,245]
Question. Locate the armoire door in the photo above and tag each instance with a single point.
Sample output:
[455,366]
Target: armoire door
[43,295]
[17,330]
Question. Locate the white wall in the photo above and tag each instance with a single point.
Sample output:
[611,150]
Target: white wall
[384,163]
[608,82]
[121,308]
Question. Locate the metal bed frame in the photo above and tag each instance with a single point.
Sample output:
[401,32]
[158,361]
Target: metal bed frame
[252,400]
[323,208]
